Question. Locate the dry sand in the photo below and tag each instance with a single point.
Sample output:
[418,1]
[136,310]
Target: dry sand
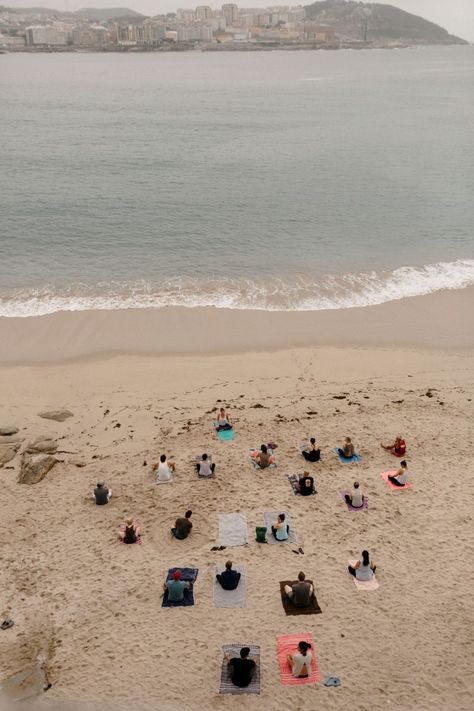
[91,609]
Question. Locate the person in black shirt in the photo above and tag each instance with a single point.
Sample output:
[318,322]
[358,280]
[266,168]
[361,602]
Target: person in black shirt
[313,454]
[229,579]
[241,670]
[101,494]
[306,484]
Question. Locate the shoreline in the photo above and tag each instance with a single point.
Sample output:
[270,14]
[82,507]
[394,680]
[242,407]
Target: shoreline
[443,320]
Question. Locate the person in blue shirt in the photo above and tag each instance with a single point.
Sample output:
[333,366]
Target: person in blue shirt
[176,587]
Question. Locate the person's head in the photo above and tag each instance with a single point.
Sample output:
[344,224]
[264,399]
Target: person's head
[365,557]
[188,514]
[176,575]
[129,521]
[244,652]
[356,485]
[348,440]
[403,464]
[312,440]
[222,411]
[163,458]
[228,565]
[303,647]
[306,475]
[301,576]
[204,457]
[398,440]
[263,448]
[281,517]
[100,484]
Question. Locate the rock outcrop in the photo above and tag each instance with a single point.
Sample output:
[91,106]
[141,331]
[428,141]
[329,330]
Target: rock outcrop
[34,467]
[42,444]
[57,415]
[4,431]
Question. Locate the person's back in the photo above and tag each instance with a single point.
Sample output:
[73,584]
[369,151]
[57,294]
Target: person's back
[183,528]
[163,473]
[229,579]
[302,664]
[176,590]
[204,468]
[130,535]
[242,671]
[357,499]
[364,572]
[306,485]
[348,450]
[301,593]
[263,460]
[281,533]
[101,495]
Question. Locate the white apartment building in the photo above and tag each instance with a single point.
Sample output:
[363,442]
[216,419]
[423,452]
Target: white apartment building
[195,33]
[231,13]
[46,35]
[203,13]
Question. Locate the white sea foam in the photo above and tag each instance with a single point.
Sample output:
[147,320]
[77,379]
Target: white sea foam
[296,292]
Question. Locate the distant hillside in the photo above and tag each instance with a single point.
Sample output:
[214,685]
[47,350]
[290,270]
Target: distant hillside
[107,13]
[377,23]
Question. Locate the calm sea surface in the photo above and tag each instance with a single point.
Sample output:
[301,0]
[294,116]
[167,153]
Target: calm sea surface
[291,180]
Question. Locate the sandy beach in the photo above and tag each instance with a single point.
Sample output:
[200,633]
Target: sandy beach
[90,609]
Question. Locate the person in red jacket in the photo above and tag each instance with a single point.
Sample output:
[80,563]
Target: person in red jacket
[398,448]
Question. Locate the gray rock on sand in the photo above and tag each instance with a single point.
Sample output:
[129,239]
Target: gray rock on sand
[35,467]
[57,415]
[41,444]
[8,430]
[7,454]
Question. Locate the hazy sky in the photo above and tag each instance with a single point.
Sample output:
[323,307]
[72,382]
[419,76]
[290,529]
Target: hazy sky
[457,16]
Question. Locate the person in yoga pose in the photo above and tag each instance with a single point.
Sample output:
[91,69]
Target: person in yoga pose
[176,587]
[182,526]
[305,484]
[313,454]
[204,467]
[300,661]
[263,457]
[241,669]
[281,529]
[102,494]
[223,422]
[228,579]
[401,477]
[131,532]
[356,499]
[363,569]
[300,592]
[347,451]
[398,447]
[163,469]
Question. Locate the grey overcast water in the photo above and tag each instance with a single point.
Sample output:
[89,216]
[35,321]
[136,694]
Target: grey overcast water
[274,180]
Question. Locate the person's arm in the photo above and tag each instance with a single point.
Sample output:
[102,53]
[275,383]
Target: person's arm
[356,565]
[154,467]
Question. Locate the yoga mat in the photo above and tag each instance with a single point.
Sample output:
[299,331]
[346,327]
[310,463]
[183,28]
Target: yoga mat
[189,575]
[288,644]
[291,609]
[224,435]
[202,476]
[385,476]
[355,458]
[294,479]
[364,506]
[230,598]
[364,584]
[257,466]
[270,517]
[226,686]
[232,529]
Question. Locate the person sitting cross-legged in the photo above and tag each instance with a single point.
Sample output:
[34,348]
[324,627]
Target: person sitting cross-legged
[281,529]
[175,587]
[204,467]
[356,499]
[241,670]
[228,579]
[300,592]
[102,494]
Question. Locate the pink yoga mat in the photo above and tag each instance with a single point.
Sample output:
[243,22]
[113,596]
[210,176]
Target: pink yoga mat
[288,644]
[385,476]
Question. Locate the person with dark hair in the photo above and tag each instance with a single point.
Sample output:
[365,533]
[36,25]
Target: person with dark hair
[281,529]
[300,661]
[102,494]
[223,422]
[228,579]
[305,484]
[263,458]
[401,477]
[182,526]
[131,532]
[205,467]
[175,587]
[363,569]
[356,499]
[347,450]
[398,448]
[300,592]
[241,670]
[313,454]
[164,470]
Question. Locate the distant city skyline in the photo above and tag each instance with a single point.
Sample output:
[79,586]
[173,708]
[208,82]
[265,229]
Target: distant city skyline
[457,16]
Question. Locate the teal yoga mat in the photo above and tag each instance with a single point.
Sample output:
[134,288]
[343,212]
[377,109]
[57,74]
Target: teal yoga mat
[225,435]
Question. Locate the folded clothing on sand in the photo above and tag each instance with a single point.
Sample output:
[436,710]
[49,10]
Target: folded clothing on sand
[230,598]
[364,584]
[270,518]
[288,644]
[364,506]
[385,476]
[289,606]
[226,686]
[188,575]
[347,460]
[232,529]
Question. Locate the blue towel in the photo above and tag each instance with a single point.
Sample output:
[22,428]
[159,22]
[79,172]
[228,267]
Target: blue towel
[224,435]
[188,575]
[344,460]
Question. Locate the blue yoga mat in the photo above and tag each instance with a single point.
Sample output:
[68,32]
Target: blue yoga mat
[189,575]
[225,435]
[344,460]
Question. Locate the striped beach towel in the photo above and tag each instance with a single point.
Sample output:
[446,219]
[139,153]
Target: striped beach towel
[226,686]
[288,644]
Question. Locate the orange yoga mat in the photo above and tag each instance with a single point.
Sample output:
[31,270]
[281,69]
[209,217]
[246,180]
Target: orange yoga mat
[385,476]
[288,644]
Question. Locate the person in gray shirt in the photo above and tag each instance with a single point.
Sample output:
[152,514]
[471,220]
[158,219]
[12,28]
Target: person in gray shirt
[300,592]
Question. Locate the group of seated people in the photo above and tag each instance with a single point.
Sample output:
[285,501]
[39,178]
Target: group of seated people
[242,668]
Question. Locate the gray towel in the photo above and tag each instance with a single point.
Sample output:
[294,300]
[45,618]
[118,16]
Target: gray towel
[230,598]
[232,529]
[227,687]
[270,518]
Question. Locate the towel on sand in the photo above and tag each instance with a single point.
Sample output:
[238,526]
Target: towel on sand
[364,506]
[270,519]
[288,644]
[294,479]
[232,529]
[189,575]
[385,476]
[230,598]
[344,460]
[227,687]
[224,435]
[364,584]
[291,609]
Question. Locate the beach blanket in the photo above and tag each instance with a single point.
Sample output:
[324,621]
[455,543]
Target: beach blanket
[364,584]
[291,609]
[254,452]
[189,575]
[270,518]
[230,598]
[202,476]
[226,686]
[288,644]
[294,479]
[385,476]
[344,460]
[224,435]
[232,529]
[364,506]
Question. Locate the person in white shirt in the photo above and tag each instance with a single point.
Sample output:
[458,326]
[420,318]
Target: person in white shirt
[401,477]
[300,661]
[363,569]
[356,499]
[163,470]
[205,467]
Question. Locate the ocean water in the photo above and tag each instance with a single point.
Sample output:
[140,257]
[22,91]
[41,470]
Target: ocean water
[267,180]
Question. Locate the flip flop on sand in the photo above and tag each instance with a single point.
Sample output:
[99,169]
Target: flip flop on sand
[222,548]
[215,548]
[293,551]
[332,681]
[6,624]
[300,550]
